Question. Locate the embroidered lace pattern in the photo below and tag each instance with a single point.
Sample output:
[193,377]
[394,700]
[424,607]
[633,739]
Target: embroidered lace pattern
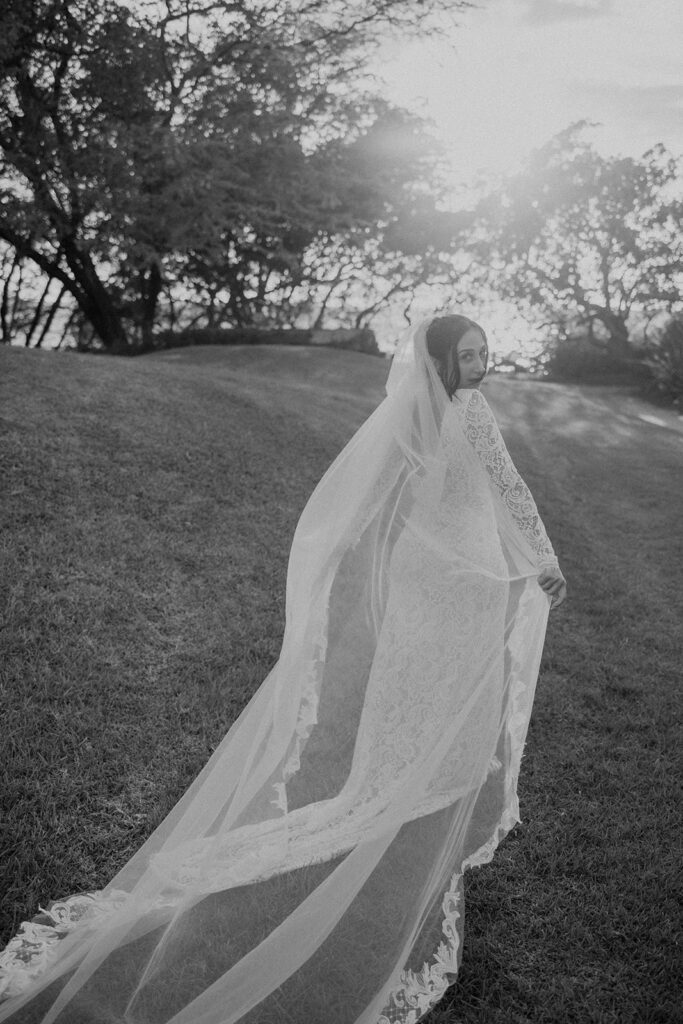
[418,991]
[28,954]
[485,437]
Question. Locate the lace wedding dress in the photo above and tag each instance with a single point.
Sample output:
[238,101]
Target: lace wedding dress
[313,870]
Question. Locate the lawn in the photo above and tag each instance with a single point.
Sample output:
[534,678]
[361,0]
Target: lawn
[147,510]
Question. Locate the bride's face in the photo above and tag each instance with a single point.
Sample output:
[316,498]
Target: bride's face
[472,355]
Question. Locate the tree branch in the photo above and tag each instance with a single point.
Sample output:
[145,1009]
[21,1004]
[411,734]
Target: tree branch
[23,247]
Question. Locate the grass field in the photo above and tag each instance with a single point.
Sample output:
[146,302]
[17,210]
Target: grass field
[147,510]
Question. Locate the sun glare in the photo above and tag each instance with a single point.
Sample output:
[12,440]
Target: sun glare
[515,73]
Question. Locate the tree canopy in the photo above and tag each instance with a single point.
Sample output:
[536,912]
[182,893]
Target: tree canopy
[583,242]
[168,164]
[177,162]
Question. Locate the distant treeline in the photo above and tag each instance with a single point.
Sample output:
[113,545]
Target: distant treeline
[361,340]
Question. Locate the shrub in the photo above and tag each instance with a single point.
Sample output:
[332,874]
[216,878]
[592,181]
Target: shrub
[577,360]
[664,357]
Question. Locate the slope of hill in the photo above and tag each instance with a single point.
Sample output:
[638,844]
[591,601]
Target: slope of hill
[147,511]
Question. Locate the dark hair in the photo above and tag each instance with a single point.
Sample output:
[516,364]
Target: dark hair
[443,335]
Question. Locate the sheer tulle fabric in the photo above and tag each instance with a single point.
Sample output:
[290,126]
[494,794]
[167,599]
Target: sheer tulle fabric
[313,870]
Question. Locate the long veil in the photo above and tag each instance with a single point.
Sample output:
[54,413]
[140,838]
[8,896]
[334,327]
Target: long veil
[312,872]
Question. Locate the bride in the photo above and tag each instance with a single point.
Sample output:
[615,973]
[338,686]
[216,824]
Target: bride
[313,871]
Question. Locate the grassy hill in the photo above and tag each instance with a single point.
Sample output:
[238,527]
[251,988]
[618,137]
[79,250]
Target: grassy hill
[147,511]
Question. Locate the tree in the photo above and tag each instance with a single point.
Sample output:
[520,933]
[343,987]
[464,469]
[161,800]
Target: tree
[584,243]
[187,150]
[664,357]
[67,148]
[351,227]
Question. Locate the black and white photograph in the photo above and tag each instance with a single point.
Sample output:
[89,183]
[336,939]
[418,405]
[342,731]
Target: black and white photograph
[341,478]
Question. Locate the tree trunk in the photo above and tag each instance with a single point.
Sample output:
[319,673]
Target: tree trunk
[96,304]
[67,327]
[108,327]
[50,317]
[37,313]
[150,287]
[618,341]
[16,297]
[5,302]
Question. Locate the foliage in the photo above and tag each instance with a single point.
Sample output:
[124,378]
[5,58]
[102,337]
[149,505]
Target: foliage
[585,243]
[578,359]
[665,360]
[157,159]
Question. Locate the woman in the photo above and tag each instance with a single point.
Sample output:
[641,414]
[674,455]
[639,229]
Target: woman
[313,870]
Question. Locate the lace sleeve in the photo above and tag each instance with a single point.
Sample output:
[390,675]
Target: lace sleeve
[485,437]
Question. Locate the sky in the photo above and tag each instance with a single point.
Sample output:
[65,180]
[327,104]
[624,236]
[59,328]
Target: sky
[516,72]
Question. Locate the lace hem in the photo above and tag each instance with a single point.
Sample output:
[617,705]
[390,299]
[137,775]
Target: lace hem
[420,990]
[307,717]
[30,952]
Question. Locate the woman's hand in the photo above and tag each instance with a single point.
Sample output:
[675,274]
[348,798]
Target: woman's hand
[553,583]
